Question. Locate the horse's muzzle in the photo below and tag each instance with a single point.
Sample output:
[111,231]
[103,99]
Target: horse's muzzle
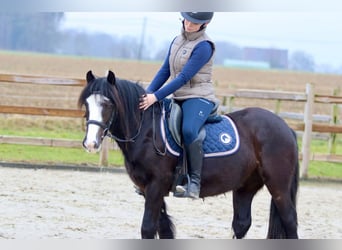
[91,147]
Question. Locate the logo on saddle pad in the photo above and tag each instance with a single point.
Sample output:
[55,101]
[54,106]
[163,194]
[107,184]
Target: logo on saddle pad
[225,138]
[220,138]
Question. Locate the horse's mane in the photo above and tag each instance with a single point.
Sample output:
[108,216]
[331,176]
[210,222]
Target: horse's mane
[124,94]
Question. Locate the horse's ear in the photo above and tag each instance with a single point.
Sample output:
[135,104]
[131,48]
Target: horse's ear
[90,77]
[111,77]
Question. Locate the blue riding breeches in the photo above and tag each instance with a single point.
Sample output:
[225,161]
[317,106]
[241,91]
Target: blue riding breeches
[195,113]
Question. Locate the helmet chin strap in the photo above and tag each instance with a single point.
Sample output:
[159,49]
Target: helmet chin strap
[203,26]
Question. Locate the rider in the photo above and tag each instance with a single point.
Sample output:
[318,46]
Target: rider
[189,64]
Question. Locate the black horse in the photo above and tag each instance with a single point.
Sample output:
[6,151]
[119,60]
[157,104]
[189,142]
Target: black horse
[268,155]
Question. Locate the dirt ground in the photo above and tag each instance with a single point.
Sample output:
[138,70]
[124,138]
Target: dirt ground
[63,204]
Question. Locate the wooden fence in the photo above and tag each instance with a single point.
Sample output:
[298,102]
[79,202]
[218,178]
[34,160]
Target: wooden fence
[307,122]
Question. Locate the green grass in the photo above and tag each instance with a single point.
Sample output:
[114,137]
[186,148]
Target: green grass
[49,128]
[325,169]
[58,134]
[55,155]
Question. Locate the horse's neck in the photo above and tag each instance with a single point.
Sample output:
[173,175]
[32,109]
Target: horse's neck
[131,132]
[148,126]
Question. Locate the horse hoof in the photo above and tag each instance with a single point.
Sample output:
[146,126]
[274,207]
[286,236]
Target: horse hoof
[232,235]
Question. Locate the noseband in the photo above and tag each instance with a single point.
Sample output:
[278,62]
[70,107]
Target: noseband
[102,125]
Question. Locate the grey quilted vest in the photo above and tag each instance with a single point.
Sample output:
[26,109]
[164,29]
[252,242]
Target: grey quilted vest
[201,84]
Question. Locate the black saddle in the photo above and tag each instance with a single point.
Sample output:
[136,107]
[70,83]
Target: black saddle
[174,121]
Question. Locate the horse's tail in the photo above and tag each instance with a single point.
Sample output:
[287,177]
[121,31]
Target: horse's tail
[276,229]
[166,228]
[295,180]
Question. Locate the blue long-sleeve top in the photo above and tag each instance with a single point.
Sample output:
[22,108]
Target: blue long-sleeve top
[201,54]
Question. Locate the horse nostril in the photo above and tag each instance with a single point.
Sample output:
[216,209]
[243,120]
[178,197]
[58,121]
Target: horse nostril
[91,145]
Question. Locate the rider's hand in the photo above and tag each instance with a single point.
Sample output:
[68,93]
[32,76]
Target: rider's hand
[147,100]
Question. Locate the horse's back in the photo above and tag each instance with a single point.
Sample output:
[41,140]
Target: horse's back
[262,124]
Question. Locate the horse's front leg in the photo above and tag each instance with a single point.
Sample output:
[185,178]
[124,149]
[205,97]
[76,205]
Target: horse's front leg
[153,205]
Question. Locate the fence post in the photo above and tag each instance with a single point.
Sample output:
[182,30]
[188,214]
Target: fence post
[104,152]
[277,107]
[334,119]
[230,104]
[306,140]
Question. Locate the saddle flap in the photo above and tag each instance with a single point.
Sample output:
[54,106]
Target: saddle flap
[174,122]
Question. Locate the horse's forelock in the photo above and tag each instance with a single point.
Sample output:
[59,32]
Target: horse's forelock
[123,94]
[97,86]
[127,95]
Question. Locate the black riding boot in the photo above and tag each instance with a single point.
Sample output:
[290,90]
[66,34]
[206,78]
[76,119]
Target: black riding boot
[194,153]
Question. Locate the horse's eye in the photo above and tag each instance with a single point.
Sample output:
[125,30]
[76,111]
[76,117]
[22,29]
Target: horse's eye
[107,104]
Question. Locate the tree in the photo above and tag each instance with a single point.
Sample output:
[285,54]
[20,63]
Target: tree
[301,61]
[30,31]
[5,24]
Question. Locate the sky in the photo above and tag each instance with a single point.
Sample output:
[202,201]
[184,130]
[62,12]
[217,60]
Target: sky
[317,33]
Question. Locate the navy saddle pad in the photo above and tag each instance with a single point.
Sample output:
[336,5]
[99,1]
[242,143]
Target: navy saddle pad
[221,139]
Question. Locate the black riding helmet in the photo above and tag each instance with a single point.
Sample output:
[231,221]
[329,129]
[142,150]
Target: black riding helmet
[198,17]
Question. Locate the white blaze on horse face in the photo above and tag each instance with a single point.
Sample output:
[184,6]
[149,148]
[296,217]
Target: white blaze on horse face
[95,113]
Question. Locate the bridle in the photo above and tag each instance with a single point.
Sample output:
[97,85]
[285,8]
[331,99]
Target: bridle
[106,128]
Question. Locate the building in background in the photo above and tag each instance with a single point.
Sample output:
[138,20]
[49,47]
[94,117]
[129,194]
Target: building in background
[259,58]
